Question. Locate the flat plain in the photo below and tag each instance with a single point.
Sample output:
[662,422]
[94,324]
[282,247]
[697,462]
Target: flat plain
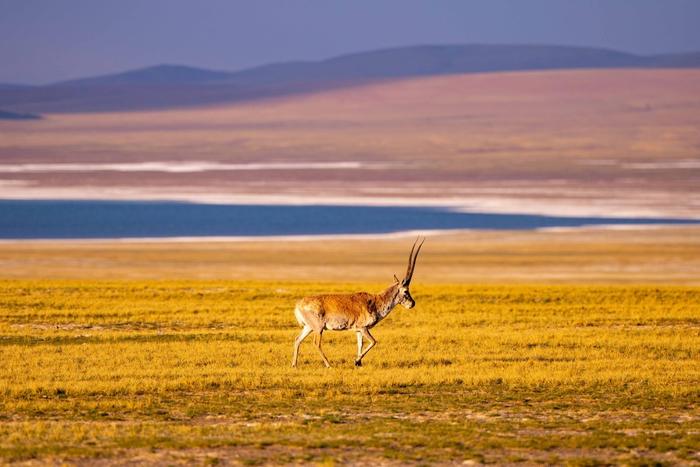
[177,363]
[559,256]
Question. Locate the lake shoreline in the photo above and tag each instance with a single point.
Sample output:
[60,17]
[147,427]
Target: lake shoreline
[144,221]
[478,201]
[389,236]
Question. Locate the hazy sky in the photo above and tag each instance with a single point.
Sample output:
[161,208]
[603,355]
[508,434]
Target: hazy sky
[48,40]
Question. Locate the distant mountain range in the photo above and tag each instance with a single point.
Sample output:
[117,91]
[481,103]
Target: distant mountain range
[167,86]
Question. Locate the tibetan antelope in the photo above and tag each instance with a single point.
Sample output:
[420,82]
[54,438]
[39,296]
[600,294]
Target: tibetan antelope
[357,312]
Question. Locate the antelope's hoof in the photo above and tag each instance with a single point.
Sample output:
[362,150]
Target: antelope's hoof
[358,362]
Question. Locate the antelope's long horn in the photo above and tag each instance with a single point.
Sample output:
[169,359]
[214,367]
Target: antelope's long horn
[412,261]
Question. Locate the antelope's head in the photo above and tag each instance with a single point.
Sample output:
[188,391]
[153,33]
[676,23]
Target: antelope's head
[404,295]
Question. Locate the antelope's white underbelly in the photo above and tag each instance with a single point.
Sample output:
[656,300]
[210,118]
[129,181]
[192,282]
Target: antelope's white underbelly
[337,324]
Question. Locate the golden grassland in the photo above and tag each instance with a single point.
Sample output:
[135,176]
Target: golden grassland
[183,371]
[611,140]
[122,367]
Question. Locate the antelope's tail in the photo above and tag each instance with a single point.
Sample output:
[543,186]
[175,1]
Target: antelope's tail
[297,314]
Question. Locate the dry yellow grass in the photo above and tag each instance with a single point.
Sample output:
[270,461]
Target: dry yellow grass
[132,358]
[188,371]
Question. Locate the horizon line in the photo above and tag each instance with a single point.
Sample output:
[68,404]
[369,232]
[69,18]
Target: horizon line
[334,57]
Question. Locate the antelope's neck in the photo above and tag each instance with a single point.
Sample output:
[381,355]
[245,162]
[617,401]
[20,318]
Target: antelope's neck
[387,300]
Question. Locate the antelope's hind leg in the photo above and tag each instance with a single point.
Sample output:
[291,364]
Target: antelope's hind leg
[297,342]
[317,341]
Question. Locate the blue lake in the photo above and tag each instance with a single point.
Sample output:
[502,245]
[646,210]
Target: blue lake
[27,219]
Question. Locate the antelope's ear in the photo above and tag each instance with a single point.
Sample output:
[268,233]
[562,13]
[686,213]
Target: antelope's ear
[396,279]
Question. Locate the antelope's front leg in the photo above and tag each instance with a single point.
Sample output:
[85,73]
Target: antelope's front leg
[358,360]
[372,343]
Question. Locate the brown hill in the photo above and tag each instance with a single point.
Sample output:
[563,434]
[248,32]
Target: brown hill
[171,86]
